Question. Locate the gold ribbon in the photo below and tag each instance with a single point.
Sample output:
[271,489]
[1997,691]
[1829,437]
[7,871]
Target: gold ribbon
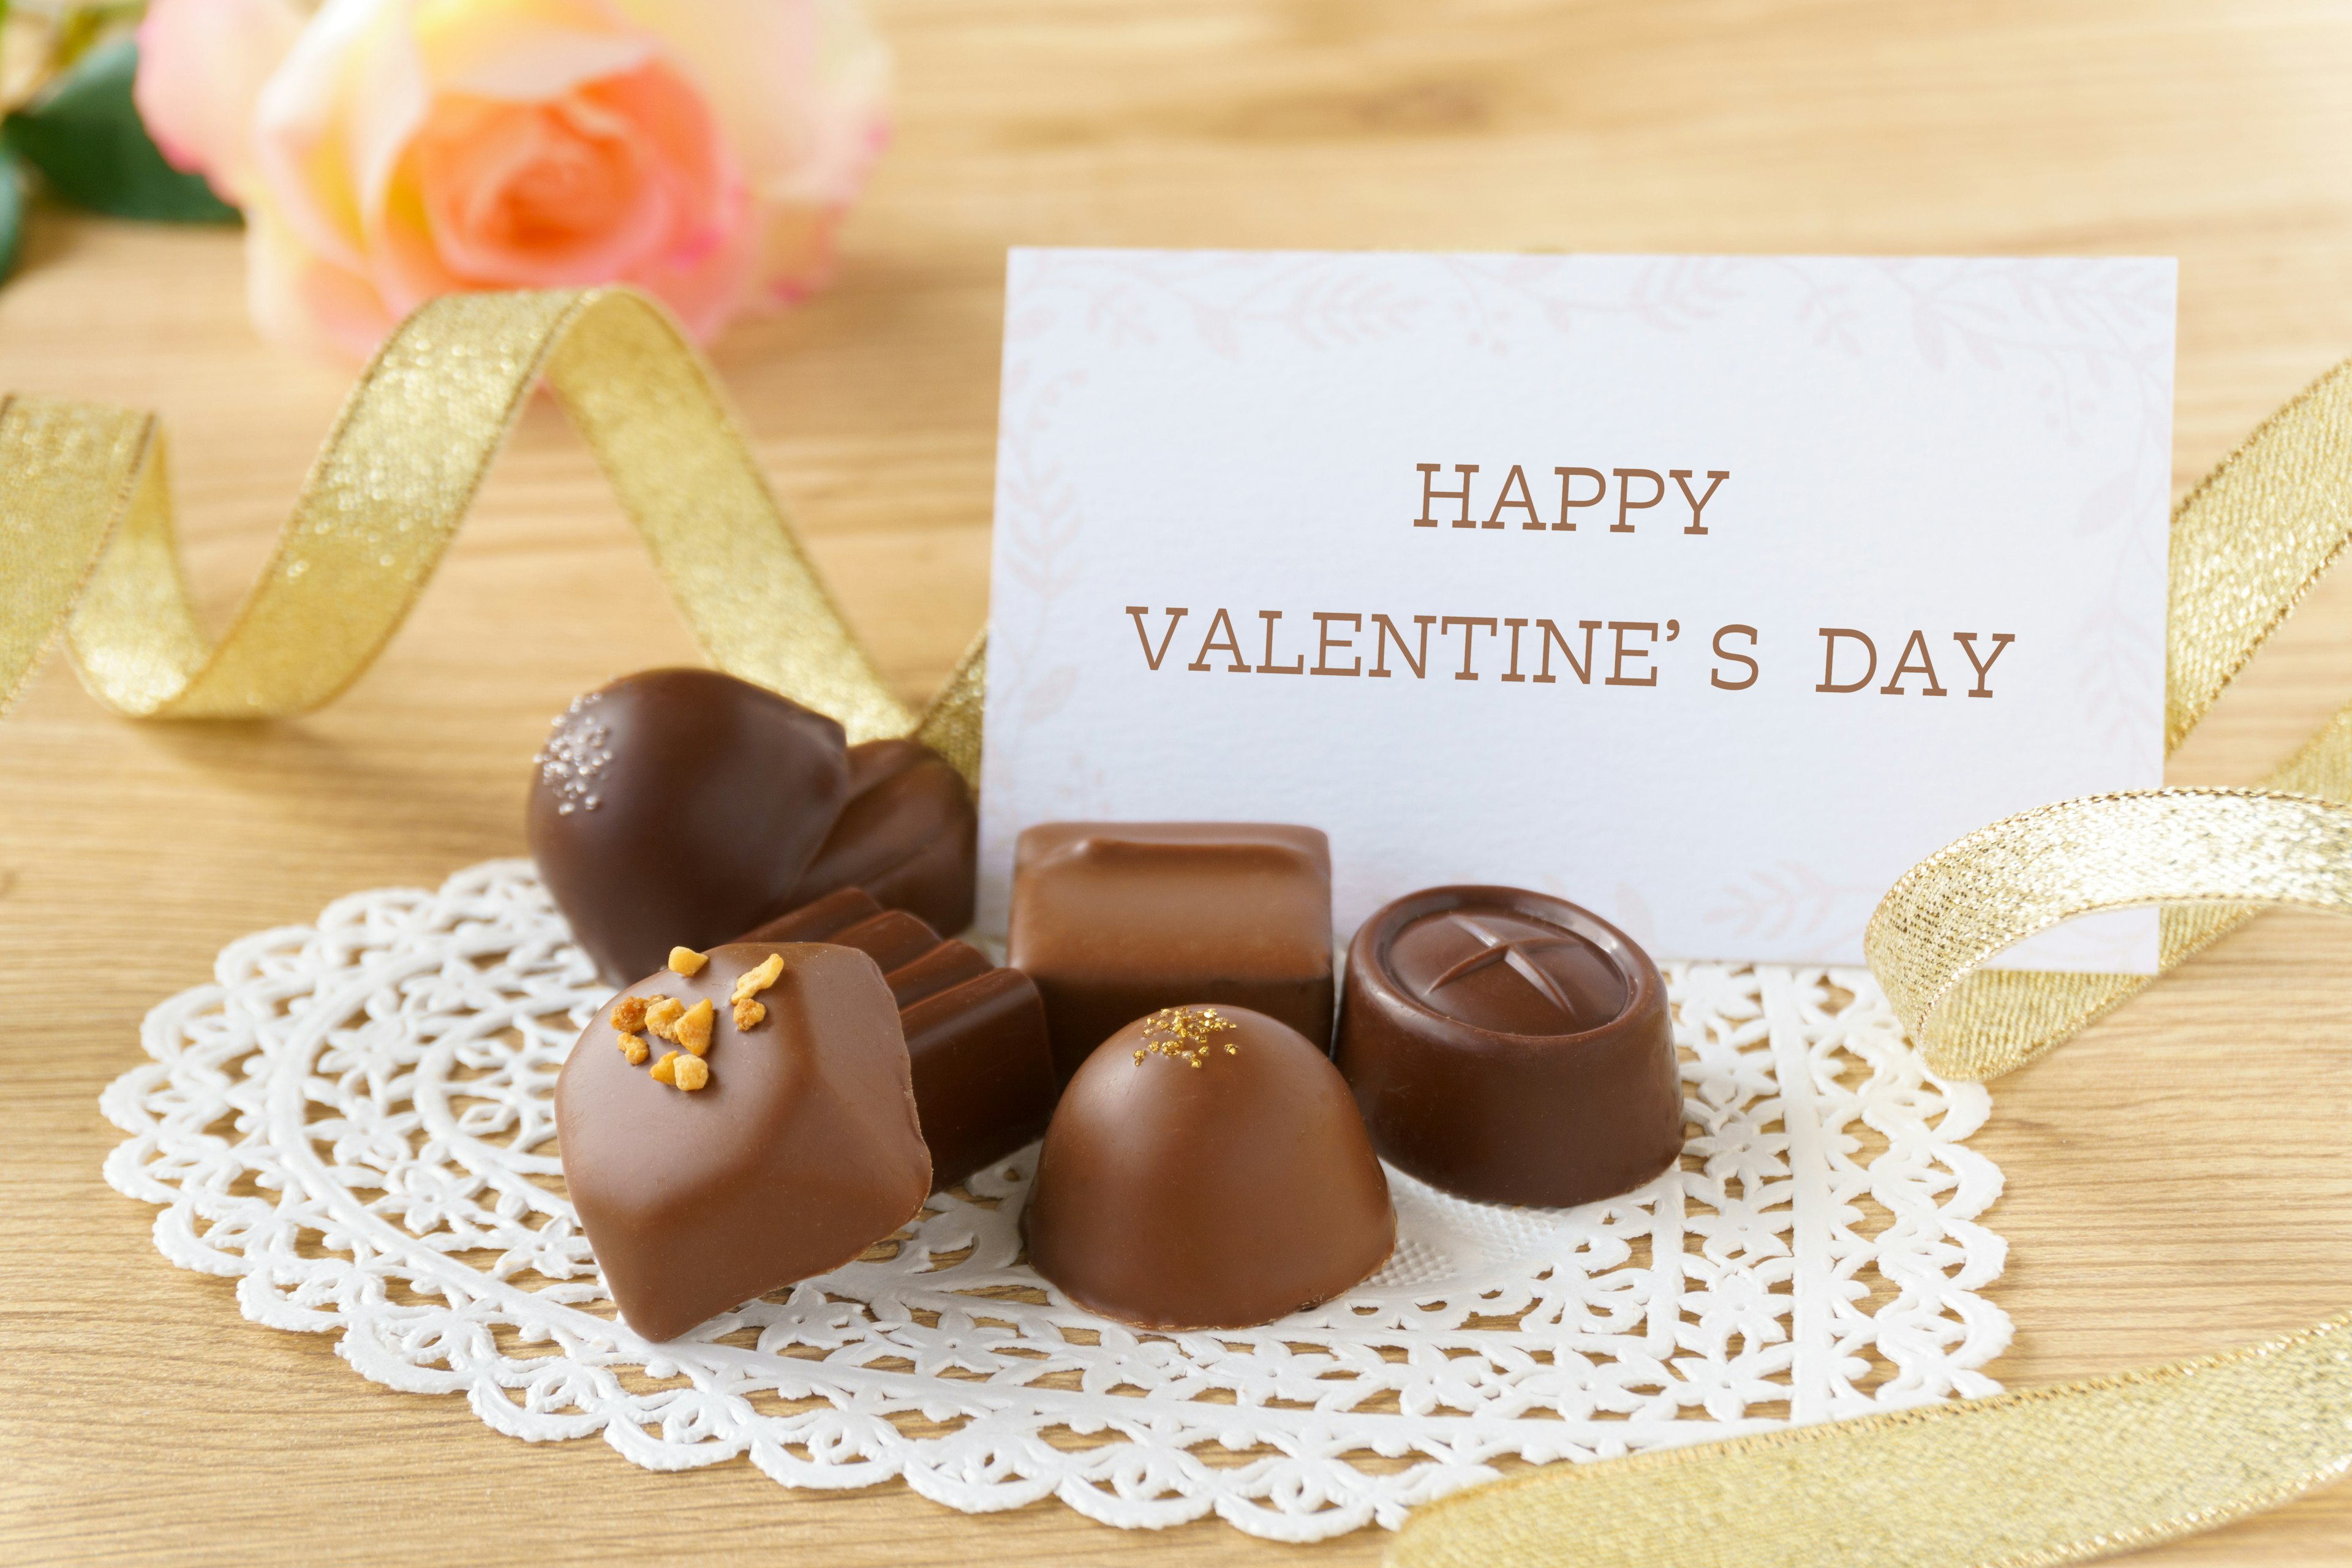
[2054,1475]
[86,541]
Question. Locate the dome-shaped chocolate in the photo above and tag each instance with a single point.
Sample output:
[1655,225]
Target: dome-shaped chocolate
[1206,1169]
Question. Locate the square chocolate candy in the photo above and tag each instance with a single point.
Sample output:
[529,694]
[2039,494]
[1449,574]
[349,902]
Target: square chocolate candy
[1118,920]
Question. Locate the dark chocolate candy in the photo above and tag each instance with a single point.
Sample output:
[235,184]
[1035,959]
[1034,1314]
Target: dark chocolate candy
[909,836]
[1114,920]
[1508,1046]
[799,1151]
[975,1033]
[674,807]
[1206,1169]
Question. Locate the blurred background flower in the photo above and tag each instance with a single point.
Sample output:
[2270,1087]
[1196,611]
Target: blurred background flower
[387,150]
[384,152]
[67,125]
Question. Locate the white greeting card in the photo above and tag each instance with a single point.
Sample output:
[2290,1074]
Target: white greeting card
[1709,593]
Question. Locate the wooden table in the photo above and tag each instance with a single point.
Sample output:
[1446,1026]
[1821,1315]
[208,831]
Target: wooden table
[2180,1180]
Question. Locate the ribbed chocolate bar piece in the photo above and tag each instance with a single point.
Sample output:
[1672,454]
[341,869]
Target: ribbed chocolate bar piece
[1510,1046]
[796,1149]
[1115,920]
[975,1033]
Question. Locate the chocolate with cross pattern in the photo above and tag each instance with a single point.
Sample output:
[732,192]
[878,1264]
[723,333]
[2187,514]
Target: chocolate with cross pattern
[1508,1046]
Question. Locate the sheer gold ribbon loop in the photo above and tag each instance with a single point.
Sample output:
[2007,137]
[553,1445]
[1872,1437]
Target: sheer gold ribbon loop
[2056,1475]
[85,540]
[2238,849]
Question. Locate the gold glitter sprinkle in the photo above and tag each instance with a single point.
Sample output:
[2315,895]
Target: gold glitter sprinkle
[1184,1033]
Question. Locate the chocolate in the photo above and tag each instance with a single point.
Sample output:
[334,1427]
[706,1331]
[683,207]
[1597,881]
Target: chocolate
[798,1151]
[676,807]
[1114,920]
[908,835]
[1511,1046]
[975,1034]
[1206,1169]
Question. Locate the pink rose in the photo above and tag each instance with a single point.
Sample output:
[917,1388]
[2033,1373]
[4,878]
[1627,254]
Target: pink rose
[388,151]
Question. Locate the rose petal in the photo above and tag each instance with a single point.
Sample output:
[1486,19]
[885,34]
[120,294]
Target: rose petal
[527,51]
[202,64]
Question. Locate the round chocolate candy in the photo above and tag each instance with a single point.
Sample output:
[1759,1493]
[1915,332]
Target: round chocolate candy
[1205,1169]
[1511,1046]
[676,807]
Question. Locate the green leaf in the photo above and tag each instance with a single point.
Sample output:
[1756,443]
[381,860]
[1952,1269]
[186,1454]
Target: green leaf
[85,137]
[12,214]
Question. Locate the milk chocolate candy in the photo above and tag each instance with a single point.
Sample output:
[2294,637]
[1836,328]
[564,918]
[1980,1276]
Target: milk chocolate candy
[907,836]
[1206,1169]
[797,1150]
[1508,1046]
[1114,920]
[975,1034]
[676,807]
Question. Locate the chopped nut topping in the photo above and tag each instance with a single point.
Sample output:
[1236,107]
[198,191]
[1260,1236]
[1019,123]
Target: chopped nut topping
[690,1072]
[633,1046]
[693,1031]
[666,1070]
[686,961]
[629,1014]
[748,986]
[752,982]
[662,1014]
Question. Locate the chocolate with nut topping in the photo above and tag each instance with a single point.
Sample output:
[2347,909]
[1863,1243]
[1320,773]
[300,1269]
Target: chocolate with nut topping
[800,1149]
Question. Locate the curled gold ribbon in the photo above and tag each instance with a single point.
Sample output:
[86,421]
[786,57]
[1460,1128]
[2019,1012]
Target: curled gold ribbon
[86,542]
[2054,1475]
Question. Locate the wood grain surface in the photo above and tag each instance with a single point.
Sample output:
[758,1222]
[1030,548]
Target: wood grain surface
[2180,1180]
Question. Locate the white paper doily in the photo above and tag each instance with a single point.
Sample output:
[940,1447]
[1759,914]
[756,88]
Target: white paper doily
[354,1122]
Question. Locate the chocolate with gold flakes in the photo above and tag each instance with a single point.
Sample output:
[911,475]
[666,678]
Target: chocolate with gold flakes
[1206,1169]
